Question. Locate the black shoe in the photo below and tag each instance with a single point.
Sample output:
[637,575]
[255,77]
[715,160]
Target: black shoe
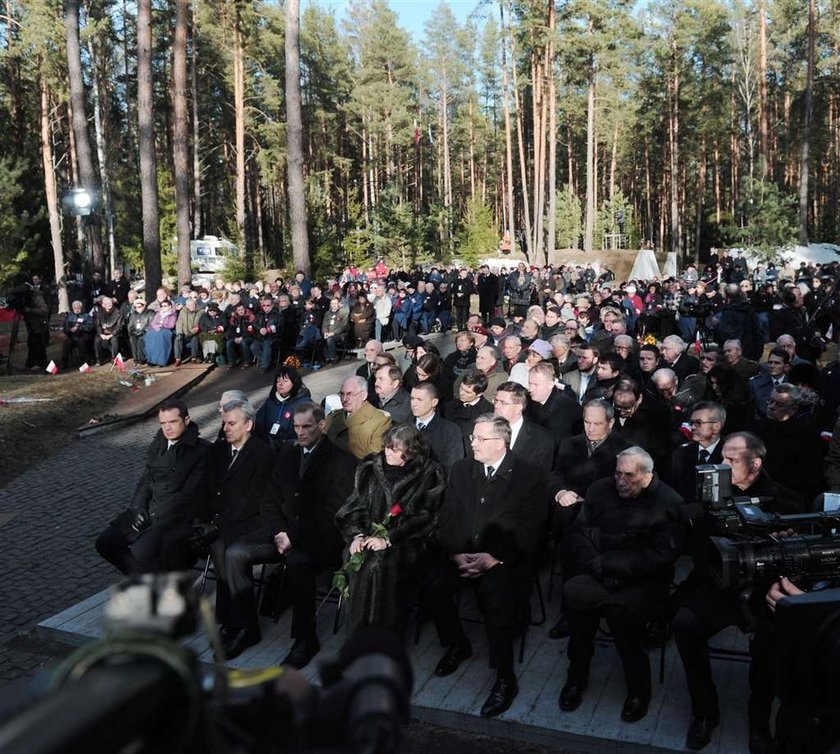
[559,630]
[571,696]
[635,708]
[455,655]
[501,696]
[302,651]
[239,640]
[761,742]
[700,732]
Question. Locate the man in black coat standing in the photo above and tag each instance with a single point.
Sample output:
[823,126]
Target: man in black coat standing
[488,293]
[489,528]
[310,482]
[552,408]
[462,289]
[149,536]
[238,472]
[443,437]
[624,543]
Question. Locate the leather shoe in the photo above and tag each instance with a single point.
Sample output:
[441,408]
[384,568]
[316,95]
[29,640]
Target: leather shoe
[239,640]
[700,732]
[559,630]
[501,696]
[571,696]
[302,651]
[635,708]
[454,656]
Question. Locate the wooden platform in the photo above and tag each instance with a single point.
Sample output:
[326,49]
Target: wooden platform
[455,701]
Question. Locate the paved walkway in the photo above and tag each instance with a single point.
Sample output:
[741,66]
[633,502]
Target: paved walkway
[51,514]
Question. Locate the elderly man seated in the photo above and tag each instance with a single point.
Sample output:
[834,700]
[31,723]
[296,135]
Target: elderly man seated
[359,428]
[78,330]
[623,543]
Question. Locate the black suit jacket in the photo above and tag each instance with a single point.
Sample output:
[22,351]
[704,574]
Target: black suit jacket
[684,366]
[465,416]
[504,516]
[560,415]
[682,475]
[535,445]
[305,506]
[234,493]
[445,440]
[575,469]
[362,371]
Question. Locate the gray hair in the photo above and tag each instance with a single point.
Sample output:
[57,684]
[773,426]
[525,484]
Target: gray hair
[232,395]
[676,341]
[514,337]
[247,409]
[717,411]
[660,375]
[360,382]
[793,391]
[563,341]
[623,340]
[493,351]
[379,347]
[605,406]
[645,461]
[734,342]
[79,303]
[501,426]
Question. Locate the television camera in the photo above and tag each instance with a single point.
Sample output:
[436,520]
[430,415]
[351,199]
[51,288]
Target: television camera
[140,689]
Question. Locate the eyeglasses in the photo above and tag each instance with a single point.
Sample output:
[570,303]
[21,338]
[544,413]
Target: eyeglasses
[476,438]
[699,423]
[497,402]
[344,394]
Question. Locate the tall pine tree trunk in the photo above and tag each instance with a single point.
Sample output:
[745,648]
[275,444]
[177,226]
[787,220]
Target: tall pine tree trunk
[763,119]
[294,130]
[146,140]
[87,174]
[552,135]
[196,151]
[239,132]
[806,128]
[51,191]
[511,218]
[589,222]
[180,141]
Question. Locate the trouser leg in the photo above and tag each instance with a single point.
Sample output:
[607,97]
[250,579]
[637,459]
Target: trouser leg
[497,593]
[300,582]
[240,557]
[112,545]
[439,601]
[628,632]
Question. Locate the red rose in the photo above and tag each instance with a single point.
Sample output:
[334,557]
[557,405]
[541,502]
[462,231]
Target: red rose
[395,511]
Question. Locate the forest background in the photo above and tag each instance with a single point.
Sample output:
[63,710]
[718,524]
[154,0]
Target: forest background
[315,143]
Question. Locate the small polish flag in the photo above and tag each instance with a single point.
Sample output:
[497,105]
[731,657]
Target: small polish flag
[84,368]
[698,346]
[119,363]
[52,368]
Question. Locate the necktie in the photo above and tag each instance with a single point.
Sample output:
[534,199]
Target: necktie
[304,462]
[488,472]
[233,456]
[421,426]
[704,456]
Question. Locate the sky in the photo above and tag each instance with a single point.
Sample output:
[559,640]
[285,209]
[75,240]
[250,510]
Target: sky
[412,13]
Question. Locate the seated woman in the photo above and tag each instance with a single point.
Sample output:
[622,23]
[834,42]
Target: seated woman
[160,334]
[362,317]
[402,488]
[275,419]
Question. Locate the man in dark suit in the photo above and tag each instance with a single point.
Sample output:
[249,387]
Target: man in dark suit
[674,354]
[706,422]
[470,404]
[310,482]
[643,421]
[368,370]
[392,397]
[149,536]
[492,518]
[552,408]
[443,437]
[488,293]
[778,365]
[529,441]
[238,472]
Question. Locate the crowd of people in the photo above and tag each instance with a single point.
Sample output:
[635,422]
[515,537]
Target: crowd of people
[567,425]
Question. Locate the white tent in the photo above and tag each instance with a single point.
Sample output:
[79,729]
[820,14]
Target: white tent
[645,267]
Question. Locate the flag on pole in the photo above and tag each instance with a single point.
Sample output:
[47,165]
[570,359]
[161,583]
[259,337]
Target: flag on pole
[52,368]
[698,346]
[416,133]
[119,363]
[84,368]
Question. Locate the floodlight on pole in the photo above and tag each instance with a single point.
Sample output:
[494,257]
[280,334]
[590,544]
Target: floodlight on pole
[78,202]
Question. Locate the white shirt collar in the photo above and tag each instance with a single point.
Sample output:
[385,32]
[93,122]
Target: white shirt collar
[514,430]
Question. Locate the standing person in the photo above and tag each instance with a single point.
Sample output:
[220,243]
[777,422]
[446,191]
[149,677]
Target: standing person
[36,317]
[492,518]
[149,536]
[519,292]
[488,294]
[462,289]
[400,487]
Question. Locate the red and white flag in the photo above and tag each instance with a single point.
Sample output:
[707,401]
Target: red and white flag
[84,368]
[698,346]
[52,368]
[119,363]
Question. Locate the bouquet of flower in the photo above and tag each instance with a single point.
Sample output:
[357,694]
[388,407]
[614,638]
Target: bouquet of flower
[341,578]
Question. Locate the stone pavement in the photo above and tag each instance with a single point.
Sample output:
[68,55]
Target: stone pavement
[50,515]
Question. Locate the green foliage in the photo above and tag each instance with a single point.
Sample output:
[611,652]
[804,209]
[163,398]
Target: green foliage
[771,220]
[605,220]
[479,236]
[19,237]
[569,216]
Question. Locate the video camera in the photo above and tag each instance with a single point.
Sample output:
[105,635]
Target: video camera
[714,492]
[140,690]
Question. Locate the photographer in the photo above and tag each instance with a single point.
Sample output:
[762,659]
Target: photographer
[707,609]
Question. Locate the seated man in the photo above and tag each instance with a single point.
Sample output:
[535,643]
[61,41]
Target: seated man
[310,482]
[392,397]
[186,332]
[239,469]
[109,323]
[623,544]
[333,329]
[469,405]
[78,334]
[150,535]
[489,528]
[442,436]
[528,440]
[268,324]
[360,427]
